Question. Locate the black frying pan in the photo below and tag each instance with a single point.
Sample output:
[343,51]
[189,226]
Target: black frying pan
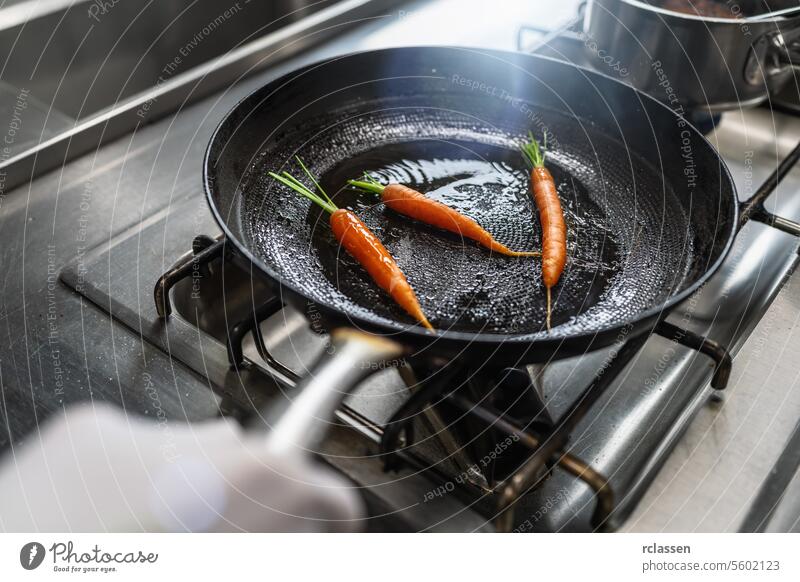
[651,208]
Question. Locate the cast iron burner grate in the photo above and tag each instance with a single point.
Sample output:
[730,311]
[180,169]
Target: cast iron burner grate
[523,419]
[474,402]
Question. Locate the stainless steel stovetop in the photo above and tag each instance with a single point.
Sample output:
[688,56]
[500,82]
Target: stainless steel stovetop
[679,455]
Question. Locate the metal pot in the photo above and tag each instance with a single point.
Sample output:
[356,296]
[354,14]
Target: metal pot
[698,62]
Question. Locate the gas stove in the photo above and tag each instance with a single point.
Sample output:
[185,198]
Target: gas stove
[616,439]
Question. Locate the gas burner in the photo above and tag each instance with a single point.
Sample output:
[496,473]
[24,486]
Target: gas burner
[491,421]
[505,456]
[599,441]
[494,423]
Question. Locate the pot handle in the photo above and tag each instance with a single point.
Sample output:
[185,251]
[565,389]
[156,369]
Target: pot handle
[352,356]
[787,54]
[774,53]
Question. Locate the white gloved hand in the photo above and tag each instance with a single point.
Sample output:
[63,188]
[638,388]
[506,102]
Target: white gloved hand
[96,468]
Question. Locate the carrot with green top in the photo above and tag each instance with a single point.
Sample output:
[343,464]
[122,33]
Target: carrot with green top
[362,244]
[409,202]
[554,229]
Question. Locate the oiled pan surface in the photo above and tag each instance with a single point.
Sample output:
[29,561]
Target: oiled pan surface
[638,231]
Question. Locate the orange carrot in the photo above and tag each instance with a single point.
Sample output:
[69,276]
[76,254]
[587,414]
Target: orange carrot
[413,204]
[554,229]
[362,244]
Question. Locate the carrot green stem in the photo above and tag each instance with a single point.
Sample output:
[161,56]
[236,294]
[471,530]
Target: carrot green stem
[294,181]
[288,180]
[366,186]
[314,181]
[533,153]
[371,179]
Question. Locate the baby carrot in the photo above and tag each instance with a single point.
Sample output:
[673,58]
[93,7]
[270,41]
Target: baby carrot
[413,204]
[362,244]
[554,229]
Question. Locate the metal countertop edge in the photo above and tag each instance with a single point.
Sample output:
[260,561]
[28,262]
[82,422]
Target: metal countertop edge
[187,88]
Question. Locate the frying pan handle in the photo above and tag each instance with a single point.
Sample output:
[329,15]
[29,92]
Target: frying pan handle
[353,355]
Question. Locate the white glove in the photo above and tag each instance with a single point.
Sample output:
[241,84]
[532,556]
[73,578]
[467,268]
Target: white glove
[96,468]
